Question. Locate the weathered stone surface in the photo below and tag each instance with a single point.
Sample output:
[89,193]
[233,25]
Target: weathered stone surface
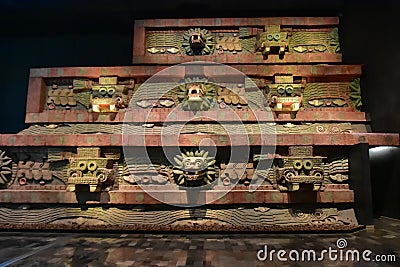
[72,155]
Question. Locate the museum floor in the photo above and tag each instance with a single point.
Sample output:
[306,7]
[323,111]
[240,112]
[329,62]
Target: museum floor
[132,249]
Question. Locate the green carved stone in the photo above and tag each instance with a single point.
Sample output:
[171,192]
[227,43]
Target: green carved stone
[198,42]
[272,41]
[334,40]
[6,171]
[355,93]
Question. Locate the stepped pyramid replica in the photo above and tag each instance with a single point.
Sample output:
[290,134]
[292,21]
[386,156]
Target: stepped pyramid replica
[273,140]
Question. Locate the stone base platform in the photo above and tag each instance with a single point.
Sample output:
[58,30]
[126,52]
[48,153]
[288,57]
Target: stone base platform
[167,218]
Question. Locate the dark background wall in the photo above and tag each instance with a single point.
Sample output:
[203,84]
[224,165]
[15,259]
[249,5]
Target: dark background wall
[50,33]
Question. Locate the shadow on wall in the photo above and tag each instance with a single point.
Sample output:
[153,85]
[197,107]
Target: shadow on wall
[362,27]
[385,180]
[20,53]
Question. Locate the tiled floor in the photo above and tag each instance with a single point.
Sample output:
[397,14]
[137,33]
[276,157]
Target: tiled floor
[89,249]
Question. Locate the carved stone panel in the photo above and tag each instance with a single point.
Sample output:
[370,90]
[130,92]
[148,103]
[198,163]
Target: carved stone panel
[87,167]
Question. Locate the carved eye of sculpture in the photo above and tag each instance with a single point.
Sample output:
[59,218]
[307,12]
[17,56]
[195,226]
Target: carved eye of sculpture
[289,89]
[103,91]
[111,91]
[92,165]
[308,164]
[199,163]
[82,165]
[270,37]
[281,89]
[297,164]
[277,37]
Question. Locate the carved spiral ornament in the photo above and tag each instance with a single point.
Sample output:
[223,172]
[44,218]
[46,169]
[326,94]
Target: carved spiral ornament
[302,216]
[320,129]
[334,130]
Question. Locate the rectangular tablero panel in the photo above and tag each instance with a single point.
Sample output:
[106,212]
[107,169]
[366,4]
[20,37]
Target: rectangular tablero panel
[237,40]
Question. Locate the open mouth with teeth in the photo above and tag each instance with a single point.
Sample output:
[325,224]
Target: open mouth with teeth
[197,41]
[292,103]
[196,95]
[194,175]
[103,105]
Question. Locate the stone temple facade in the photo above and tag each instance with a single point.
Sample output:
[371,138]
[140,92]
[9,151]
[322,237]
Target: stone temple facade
[263,132]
